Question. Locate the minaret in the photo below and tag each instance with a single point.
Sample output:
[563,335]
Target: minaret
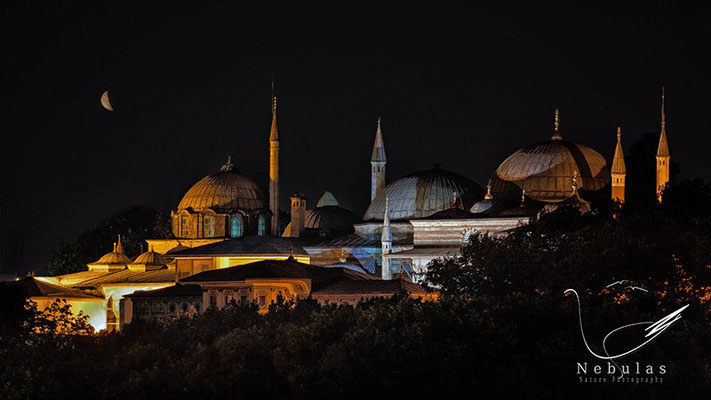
[386,241]
[377,165]
[619,171]
[663,157]
[556,133]
[274,168]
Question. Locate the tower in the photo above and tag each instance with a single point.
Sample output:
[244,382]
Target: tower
[298,215]
[619,171]
[274,168]
[386,242]
[377,165]
[663,157]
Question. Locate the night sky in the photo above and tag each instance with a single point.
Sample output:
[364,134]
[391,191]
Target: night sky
[463,87]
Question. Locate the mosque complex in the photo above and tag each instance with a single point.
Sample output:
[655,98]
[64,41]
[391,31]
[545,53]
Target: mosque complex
[232,243]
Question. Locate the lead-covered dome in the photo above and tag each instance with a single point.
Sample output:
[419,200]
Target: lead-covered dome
[424,193]
[224,190]
[328,218]
[545,170]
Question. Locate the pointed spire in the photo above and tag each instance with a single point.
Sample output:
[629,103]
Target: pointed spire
[228,166]
[119,246]
[663,148]
[378,146]
[556,133]
[387,236]
[618,160]
[274,132]
[488,195]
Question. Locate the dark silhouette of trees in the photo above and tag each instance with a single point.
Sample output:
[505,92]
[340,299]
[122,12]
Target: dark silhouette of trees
[135,225]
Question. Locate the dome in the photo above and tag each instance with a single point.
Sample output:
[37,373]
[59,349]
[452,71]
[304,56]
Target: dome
[422,194]
[149,260]
[545,171]
[328,217]
[224,190]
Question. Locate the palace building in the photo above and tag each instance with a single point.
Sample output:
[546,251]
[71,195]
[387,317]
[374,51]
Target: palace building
[232,243]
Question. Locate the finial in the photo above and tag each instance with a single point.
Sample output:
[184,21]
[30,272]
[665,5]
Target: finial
[575,182]
[663,116]
[228,166]
[488,195]
[619,133]
[556,125]
[523,197]
[378,122]
[114,247]
[274,99]
[119,246]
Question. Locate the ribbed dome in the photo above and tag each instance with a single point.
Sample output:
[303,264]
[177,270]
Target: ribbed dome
[150,259]
[113,258]
[224,190]
[422,194]
[545,170]
[331,218]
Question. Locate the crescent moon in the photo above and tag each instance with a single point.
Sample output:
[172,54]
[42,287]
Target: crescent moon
[105,101]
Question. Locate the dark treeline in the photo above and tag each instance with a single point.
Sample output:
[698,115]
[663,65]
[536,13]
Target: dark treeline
[502,327]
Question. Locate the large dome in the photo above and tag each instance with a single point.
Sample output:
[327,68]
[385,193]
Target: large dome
[224,190]
[545,171]
[422,194]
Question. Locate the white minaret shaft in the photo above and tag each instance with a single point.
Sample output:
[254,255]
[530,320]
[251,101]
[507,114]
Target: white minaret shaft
[377,165]
[386,242]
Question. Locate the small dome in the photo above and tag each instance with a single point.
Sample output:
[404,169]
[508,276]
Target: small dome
[422,194]
[149,260]
[113,258]
[545,171]
[224,190]
[328,217]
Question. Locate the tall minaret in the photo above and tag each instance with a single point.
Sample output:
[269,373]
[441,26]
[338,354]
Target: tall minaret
[274,168]
[619,171]
[386,241]
[377,165]
[663,157]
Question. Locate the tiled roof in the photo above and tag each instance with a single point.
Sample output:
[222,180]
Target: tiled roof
[275,269]
[127,276]
[41,287]
[247,245]
[378,286]
[178,290]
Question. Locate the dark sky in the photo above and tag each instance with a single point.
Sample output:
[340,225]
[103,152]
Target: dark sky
[460,86]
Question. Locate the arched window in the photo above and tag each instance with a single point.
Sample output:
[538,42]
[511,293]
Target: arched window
[185,226]
[236,225]
[209,226]
[261,225]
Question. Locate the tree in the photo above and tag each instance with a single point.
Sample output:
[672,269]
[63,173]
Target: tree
[135,225]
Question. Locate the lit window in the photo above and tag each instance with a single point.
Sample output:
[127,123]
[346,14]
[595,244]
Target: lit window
[261,225]
[236,225]
[209,226]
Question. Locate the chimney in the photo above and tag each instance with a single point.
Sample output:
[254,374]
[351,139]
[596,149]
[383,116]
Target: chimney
[298,214]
